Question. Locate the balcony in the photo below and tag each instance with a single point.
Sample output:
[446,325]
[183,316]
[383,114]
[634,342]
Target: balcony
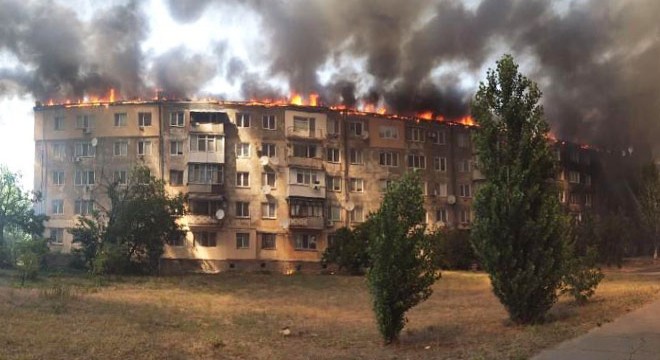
[312,222]
[202,220]
[308,134]
[304,162]
[207,157]
[306,191]
[477,175]
[207,128]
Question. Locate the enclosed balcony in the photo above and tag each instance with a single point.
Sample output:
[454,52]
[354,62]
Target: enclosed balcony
[306,213]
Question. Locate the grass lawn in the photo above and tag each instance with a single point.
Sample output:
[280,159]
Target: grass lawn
[240,316]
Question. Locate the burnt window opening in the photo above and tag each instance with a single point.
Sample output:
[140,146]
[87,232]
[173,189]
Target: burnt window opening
[207,117]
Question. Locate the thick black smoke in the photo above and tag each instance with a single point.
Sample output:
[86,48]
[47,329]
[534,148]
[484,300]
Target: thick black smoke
[595,60]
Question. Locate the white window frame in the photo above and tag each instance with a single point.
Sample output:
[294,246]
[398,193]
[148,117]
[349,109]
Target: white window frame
[179,176]
[144,118]
[355,156]
[57,207]
[58,177]
[83,207]
[418,161]
[144,147]
[205,238]
[177,119]
[269,210]
[357,214]
[242,209]
[205,173]
[269,178]
[333,155]
[355,128]
[120,177]
[243,120]
[210,143]
[120,119]
[388,159]
[269,122]
[84,177]
[242,240]
[84,149]
[242,179]
[305,242]
[388,132]
[356,185]
[120,149]
[176,147]
[574,177]
[333,183]
[268,149]
[440,164]
[58,123]
[243,150]
[465,190]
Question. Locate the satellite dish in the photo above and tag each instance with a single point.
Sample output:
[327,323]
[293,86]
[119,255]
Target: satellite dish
[266,189]
[263,160]
[95,141]
[273,160]
[349,206]
[451,199]
[220,214]
[285,224]
[365,135]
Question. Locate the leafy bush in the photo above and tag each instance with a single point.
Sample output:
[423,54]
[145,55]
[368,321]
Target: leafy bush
[453,249]
[349,250]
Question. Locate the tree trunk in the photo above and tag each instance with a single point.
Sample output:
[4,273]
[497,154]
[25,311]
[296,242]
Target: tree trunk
[655,252]
[2,234]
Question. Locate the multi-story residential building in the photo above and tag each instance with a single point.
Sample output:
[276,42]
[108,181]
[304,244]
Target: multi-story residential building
[267,184]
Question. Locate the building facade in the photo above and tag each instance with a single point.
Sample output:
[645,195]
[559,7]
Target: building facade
[268,185]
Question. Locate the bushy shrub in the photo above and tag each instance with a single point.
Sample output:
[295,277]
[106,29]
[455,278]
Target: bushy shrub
[453,249]
[349,251]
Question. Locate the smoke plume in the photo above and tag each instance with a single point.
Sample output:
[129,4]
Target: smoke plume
[595,60]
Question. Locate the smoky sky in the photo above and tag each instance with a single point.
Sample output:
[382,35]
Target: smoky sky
[595,60]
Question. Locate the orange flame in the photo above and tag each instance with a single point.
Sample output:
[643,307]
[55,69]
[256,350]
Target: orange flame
[427,115]
[295,99]
[467,121]
[313,99]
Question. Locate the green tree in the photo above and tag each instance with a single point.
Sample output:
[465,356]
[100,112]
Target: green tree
[129,236]
[402,267]
[349,251]
[16,212]
[649,205]
[519,230]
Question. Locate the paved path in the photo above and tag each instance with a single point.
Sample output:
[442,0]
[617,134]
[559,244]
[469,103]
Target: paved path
[634,336]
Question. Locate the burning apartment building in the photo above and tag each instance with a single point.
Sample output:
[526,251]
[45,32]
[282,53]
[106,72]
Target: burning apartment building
[268,184]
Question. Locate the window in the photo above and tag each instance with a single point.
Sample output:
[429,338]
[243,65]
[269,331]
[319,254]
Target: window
[334,183]
[243,150]
[58,177]
[574,199]
[332,240]
[575,156]
[357,215]
[463,140]
[384,184]
[355,128]
[268,150]
[242,179]
[464,190]
[177,119]
[574,177]
[120,119]
[416,161]
[57,207]
[440,164]
[120,148]
[440,189]
[587,179]
[144,147]
[464,166]
[333,127]
[332,155]
[464,216]
[586,158]
[268,241]
[84,149]
[144,119]
[389,158]
[84,207]
[204,143]
[120,177]
[205,174]
[84,122]
[304,150]
[268,178]
[58,123]
[204,238]
[242,120]
[587,200]
[304,125]
[305,242]
[355,156]
[84,177]
[437,137]
[176,148]
[558,154]
[268,122]
[562,197]
[441,215]
[242,240]
[306,177]
[175,239]
[269,210]
[305,208]
[57,236]
[355,185]
[334,213]
[59,151]
[176,177]
[416,134]
[388,132]
[242,209]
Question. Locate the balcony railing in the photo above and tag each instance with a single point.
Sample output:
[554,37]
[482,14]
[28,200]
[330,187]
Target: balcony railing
[314,134]
[311,222]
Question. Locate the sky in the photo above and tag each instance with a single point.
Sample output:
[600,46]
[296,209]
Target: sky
[594,60]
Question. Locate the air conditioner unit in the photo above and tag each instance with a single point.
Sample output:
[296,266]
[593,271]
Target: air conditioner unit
[329,223]
[141,128]
[316,187]
[365,135]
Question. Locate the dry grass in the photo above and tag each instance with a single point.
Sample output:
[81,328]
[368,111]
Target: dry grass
[240,315]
